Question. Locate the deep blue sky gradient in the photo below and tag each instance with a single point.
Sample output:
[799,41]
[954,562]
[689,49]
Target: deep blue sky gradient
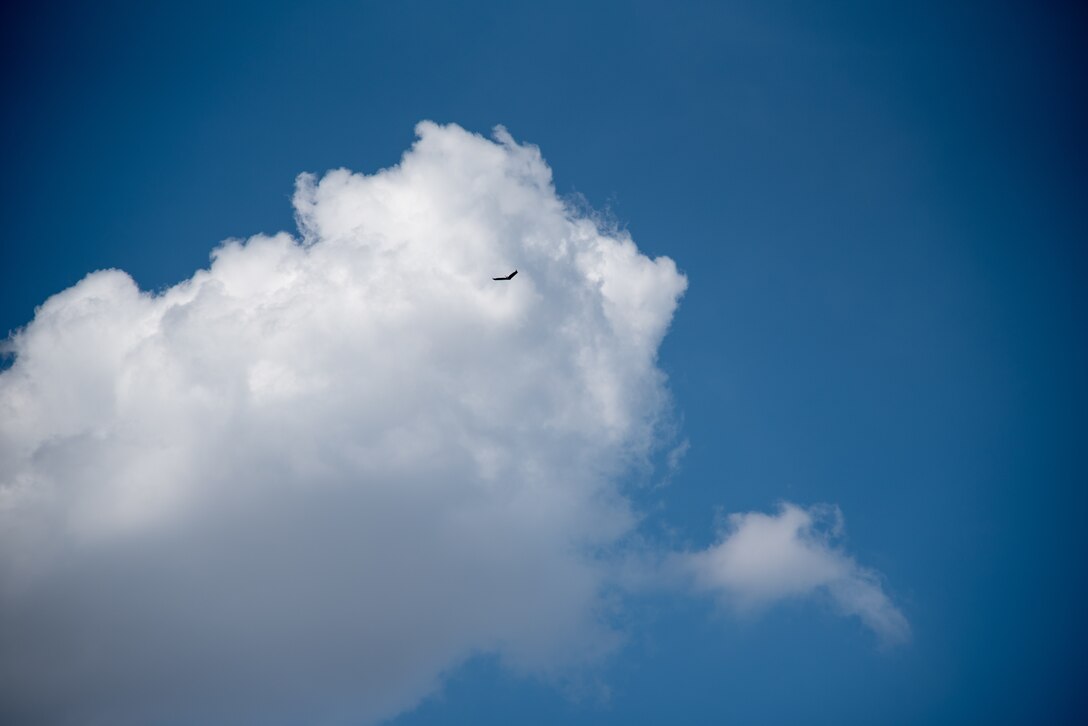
[882,212]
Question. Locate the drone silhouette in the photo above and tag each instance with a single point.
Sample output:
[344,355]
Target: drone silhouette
[508,277]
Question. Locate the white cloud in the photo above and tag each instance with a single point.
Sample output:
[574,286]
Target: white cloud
[308,481]
[762,558]
[315,476]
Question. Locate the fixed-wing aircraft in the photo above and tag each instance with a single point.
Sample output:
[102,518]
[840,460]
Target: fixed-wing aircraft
[508,277]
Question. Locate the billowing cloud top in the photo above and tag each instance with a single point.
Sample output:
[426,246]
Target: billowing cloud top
[322,471]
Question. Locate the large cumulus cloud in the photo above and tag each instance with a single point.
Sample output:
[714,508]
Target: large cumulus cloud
[311,478]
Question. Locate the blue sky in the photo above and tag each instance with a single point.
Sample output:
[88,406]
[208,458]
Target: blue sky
[879,211]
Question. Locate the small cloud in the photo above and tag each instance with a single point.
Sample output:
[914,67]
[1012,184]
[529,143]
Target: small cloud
[765,558]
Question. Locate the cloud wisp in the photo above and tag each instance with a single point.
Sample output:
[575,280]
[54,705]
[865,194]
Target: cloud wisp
[761,559]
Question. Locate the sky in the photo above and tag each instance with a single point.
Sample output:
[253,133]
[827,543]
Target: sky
[782,420]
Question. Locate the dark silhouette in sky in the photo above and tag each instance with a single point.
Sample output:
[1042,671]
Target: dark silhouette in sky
[508,277]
